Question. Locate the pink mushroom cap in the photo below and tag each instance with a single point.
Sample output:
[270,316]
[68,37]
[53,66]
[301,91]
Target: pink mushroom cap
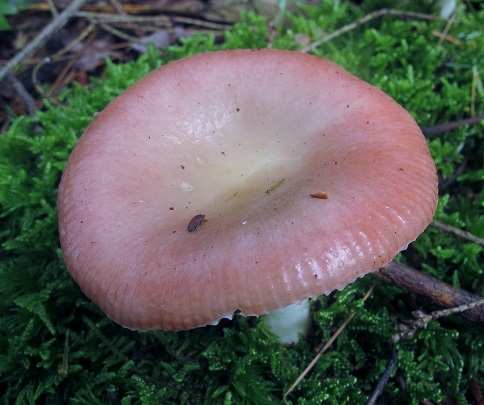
[244,138]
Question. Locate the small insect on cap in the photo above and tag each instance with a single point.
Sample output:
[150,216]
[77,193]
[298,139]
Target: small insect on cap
[307,178]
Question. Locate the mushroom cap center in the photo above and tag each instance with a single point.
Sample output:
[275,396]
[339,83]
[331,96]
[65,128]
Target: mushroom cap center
[243,138]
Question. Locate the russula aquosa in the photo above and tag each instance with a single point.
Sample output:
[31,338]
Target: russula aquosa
[307,177]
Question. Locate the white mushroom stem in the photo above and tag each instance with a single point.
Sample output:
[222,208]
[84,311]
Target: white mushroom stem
[291,322]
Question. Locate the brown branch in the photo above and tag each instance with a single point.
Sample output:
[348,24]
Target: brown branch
[392,363]
[434,291]
[458,232]
[408,328]
[24,95]
[163,20]
[435,130]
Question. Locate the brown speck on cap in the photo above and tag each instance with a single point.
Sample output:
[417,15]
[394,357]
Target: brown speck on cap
[195,222]
[320,195]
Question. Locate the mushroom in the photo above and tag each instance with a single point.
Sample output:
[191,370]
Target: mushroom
[301,176]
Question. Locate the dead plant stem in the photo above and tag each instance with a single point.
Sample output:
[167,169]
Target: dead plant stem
[366,18]
[56,24]
[327,345]
[164,20]
[458,232]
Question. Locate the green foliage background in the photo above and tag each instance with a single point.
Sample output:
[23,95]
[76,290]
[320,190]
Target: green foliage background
[57,347]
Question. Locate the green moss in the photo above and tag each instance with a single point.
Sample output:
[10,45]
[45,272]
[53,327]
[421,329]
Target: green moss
[57,347]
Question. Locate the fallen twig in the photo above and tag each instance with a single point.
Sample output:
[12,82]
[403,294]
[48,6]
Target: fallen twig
[63,51]
[366,18]
[52,8]
[57,23]
[24,95]
[117,6]
[446,30]
[384,378]
[276,23]
[458,232]
[432,131]
[434,291]
[444,185]
[409,328]
[164,20]
[326,346]
[446,37]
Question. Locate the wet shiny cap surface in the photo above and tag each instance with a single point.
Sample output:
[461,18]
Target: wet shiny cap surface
[307,177]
